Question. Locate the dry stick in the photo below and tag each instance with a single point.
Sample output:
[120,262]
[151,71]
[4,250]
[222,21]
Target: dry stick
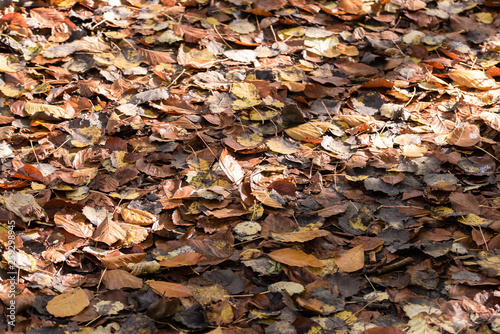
[370,283]
[100,279]
[209,148]
[91,321]
[354,314]
[218,33]
[176,78]
[247,295]
[484,239]
[394,266]
[482,149]
[34,152]
[57,149]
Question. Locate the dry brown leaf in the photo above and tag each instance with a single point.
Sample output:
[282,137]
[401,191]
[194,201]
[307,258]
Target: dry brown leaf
[265,198]
[46,17]
[351,260]
[351,6]
[34,108]
[138,217]
[144,267]
[491,119]
[185,259]
[465,135]
[308,130]
[300,236]
[169,290]
[75,223]
[109,232]
[295,258]
[152,57]
[122,261]
[118,279]
[69,303]
[472,79]
[231,167]
[414,151]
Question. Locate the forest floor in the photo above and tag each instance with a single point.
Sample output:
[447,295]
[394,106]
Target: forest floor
[250,166]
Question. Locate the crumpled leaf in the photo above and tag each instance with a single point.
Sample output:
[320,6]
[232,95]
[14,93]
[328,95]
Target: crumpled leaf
[472,79]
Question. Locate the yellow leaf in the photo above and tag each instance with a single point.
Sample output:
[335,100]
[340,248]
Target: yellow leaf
[33,108]
[472,79]
[485,18]
[308,130]
[414,151]
[69,303]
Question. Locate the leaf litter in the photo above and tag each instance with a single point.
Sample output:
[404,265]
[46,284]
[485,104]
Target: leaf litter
[250,166]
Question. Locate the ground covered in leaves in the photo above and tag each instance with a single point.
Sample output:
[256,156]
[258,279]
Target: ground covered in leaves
[250,166]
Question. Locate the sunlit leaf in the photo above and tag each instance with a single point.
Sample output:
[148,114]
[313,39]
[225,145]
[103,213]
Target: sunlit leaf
[69,303]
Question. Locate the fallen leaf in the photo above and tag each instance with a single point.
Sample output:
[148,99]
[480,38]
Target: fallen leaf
[169,290]
[351,260]
[185,259]
[465,135]
[68,303]
[295,258]
[472,79]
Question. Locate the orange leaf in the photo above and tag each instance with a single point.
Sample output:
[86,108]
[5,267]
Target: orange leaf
[295,258]
[138,217]
[69,303]
[351,260]
[171,290]
[351,6]
[186,259]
